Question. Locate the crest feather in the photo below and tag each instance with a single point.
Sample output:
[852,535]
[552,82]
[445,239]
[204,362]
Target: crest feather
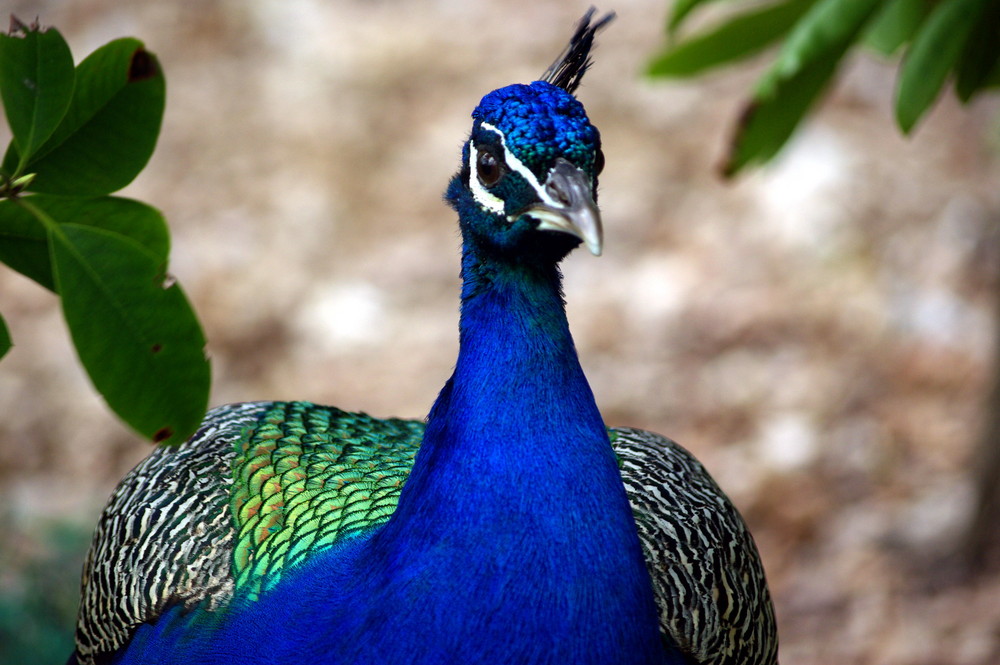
[569,68]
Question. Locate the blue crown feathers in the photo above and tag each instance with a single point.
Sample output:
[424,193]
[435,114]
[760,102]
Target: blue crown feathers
[540,122]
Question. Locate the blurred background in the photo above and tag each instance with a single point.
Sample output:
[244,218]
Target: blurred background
[820,333]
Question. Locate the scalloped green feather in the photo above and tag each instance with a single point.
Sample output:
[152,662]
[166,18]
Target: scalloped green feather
[307,477]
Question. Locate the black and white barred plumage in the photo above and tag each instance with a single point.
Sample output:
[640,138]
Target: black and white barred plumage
[165,536]
[707,575]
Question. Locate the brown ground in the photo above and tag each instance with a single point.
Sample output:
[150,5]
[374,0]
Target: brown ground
[819,333]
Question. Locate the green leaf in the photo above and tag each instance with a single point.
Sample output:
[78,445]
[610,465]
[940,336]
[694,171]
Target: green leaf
[805,65]
[24,242]
[934,52]
[680,10]
[829,26]
[5,342]
[895,24]
[110,129]
[993,79]
[136,334]
[741,37]
[769,119]
[36,83]
[981,56]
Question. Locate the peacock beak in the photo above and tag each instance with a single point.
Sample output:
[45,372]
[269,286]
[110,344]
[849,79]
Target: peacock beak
[568,206]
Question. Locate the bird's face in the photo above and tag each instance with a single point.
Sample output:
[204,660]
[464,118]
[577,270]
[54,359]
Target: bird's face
[529,174]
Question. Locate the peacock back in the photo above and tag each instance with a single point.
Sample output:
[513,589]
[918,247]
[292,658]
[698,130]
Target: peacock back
[264,485]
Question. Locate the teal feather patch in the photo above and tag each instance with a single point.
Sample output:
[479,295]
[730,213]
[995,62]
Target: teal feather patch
[306,477]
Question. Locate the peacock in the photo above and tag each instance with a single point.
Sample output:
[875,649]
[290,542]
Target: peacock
[512,526]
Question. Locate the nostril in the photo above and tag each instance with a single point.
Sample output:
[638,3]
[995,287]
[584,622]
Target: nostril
[557,194]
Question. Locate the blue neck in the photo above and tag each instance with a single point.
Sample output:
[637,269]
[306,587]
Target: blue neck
[517,421]
[515,505]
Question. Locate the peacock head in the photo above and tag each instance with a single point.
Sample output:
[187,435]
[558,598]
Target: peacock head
[528,182]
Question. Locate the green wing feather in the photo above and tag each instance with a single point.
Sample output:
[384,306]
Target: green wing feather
[306,477]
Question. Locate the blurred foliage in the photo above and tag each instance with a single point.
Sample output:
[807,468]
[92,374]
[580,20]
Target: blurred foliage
[39,590]
[79,134]
[937,40]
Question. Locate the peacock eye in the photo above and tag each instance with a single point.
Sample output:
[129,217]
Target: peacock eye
[488,168]
[598,162]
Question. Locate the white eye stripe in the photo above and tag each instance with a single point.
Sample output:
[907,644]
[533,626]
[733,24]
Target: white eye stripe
[514,164]
[484,198]
[518,166]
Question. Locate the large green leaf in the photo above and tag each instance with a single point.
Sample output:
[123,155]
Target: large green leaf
[805,65]
[769,120]
[680,10]
[741,37]
[5,342]
[981,57]
[36,82]
[110,128]
[134,331]
[895,24]
[934,52]
[829,26]
[24,242]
